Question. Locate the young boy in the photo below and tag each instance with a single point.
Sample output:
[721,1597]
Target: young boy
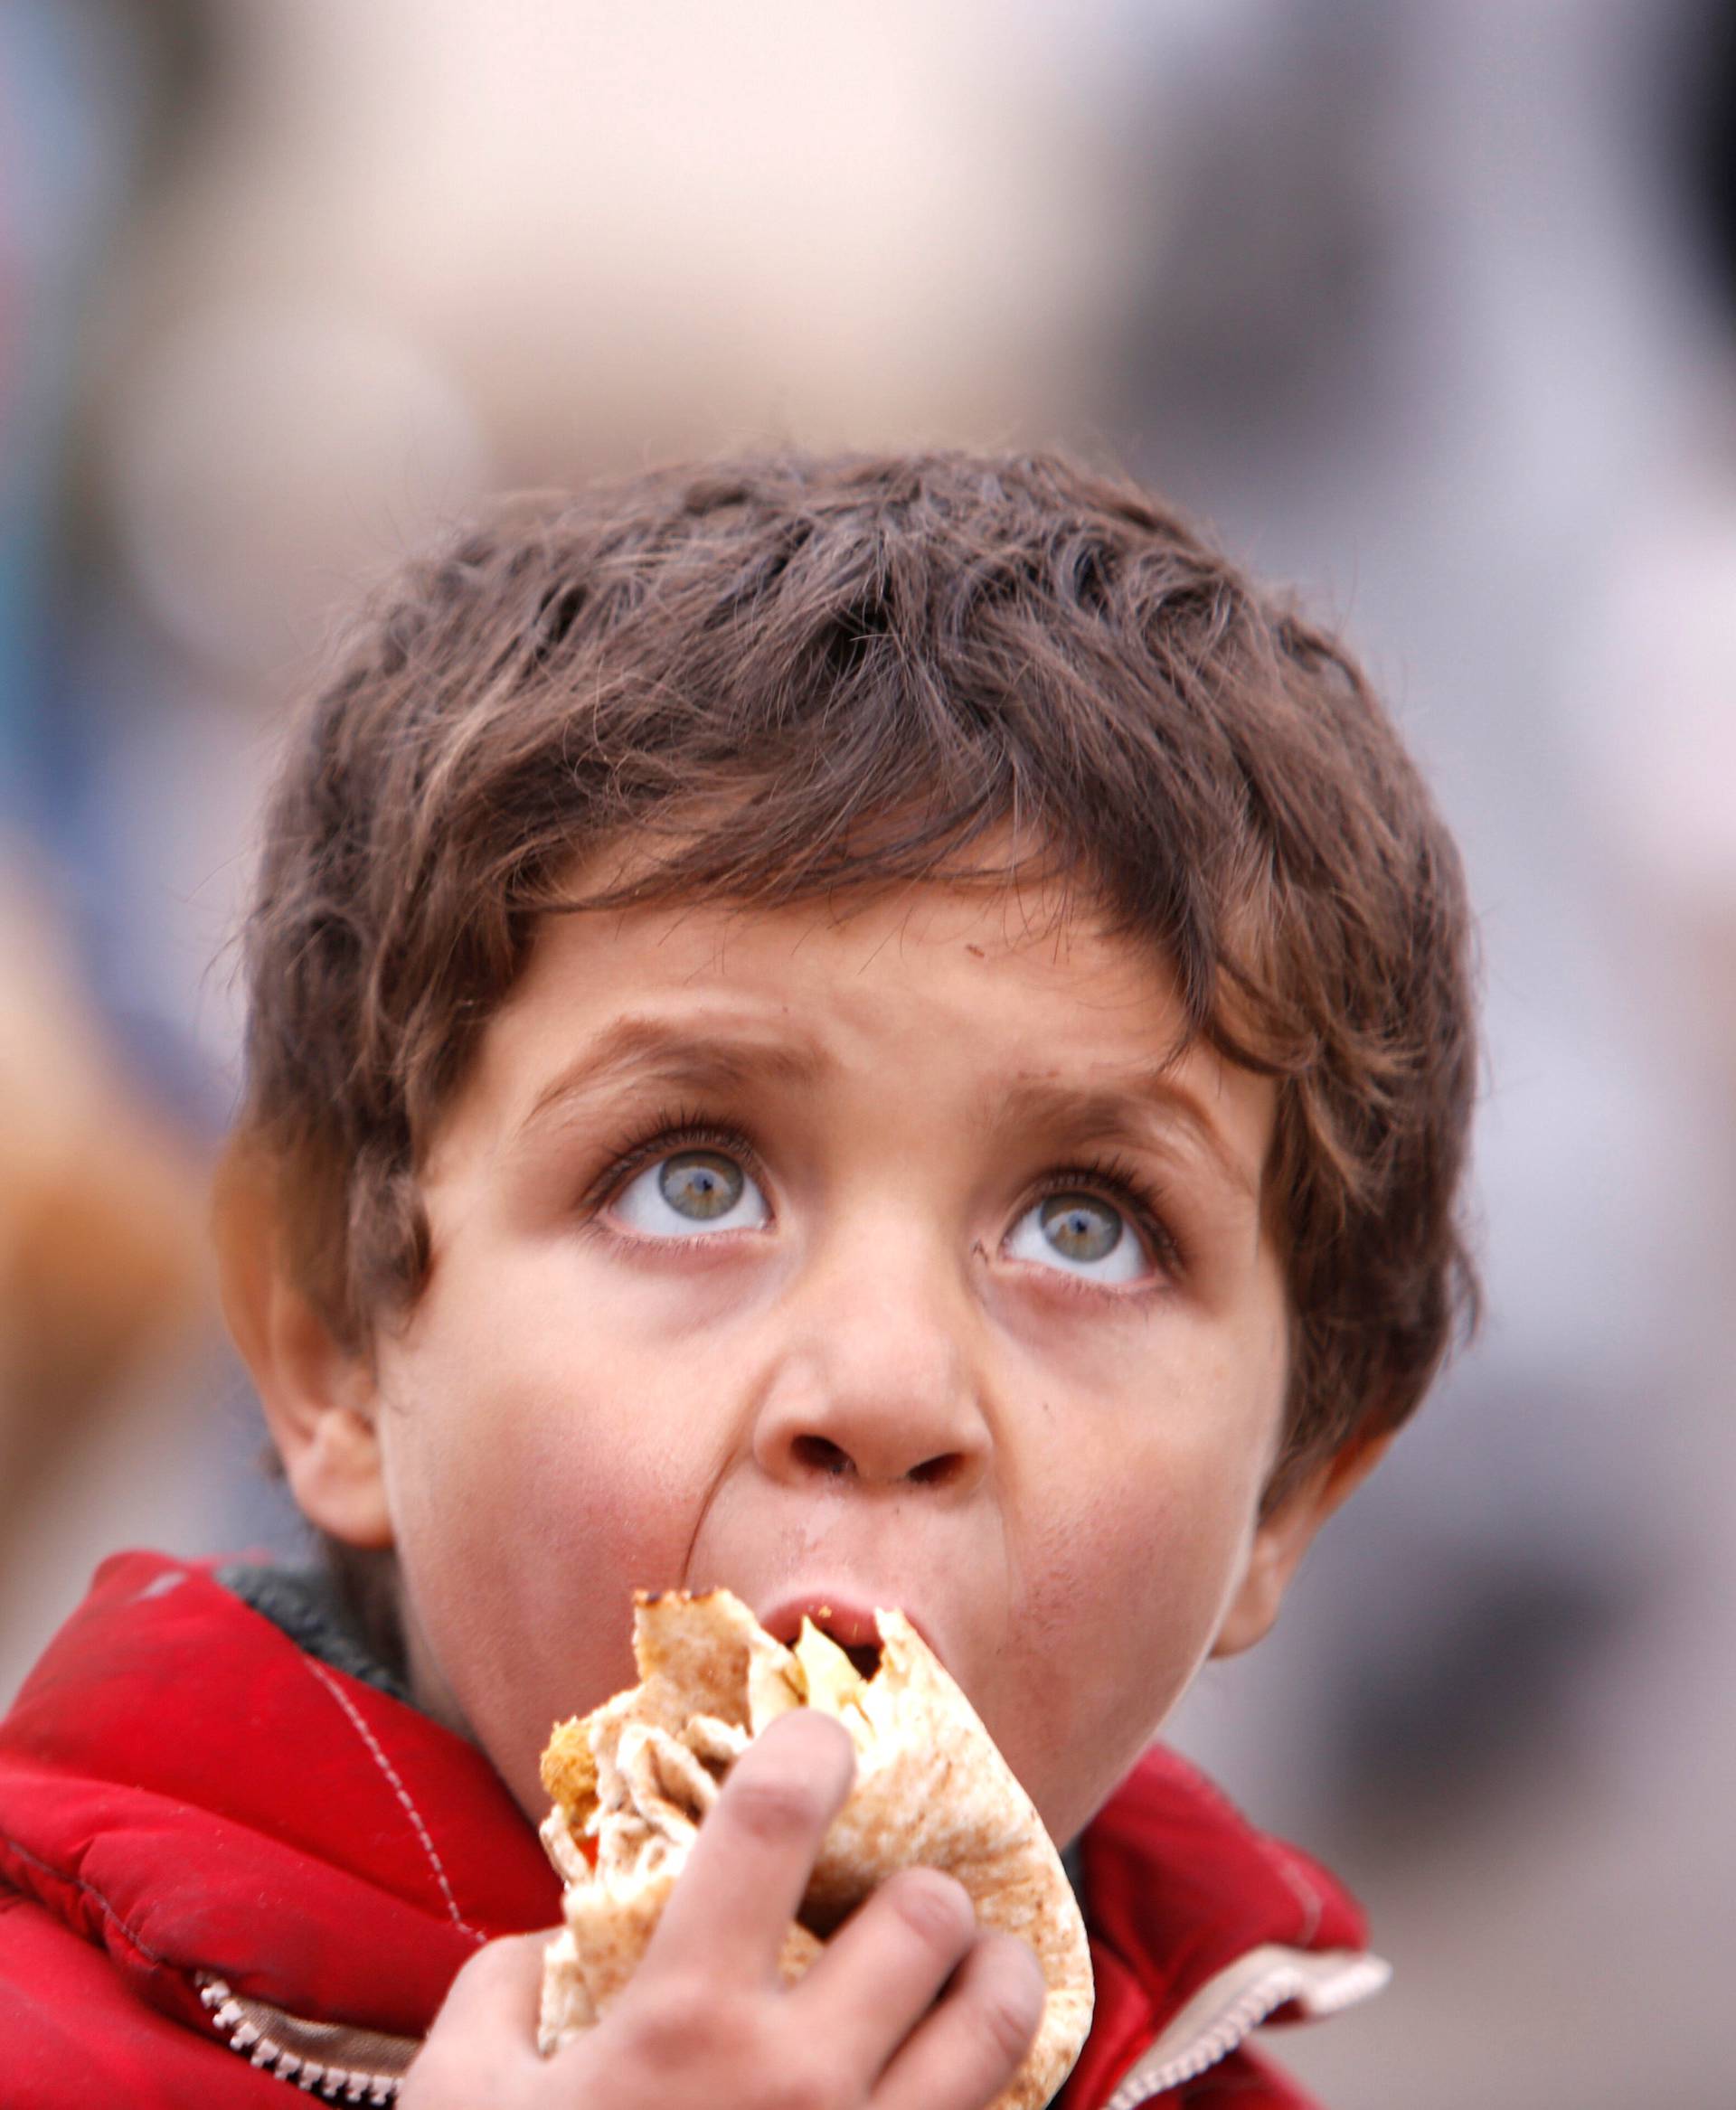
[878,1031]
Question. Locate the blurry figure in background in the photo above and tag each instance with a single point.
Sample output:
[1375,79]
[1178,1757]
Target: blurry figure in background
[100,106]
[1344,350]
[1424,324]
[107,1362]
[104,1260]
[1658,673]
[95,101]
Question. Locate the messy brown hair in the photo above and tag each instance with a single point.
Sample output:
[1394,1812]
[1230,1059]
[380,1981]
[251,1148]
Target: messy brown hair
[786,678]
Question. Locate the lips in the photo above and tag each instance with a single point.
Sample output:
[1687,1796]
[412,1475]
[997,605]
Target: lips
[843,1616]
[848,1621]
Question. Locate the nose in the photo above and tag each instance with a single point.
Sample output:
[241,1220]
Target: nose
[876,1378]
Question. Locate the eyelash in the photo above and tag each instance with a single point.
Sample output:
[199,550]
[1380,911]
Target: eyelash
[679,1130]
[1130,1190]
[685,1129]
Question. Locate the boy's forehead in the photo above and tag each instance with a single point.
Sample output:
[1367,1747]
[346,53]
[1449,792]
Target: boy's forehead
[1022,1003]
[1007,938]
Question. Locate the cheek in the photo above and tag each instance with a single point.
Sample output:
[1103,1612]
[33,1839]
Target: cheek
[531,1490]
[1145,1526]
[1122,1603]
[526,1401]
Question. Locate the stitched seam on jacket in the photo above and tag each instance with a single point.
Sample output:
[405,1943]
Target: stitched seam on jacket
[90,1890]
[399,1789]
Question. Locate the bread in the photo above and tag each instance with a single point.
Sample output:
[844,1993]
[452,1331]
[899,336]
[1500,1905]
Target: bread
[632,1781]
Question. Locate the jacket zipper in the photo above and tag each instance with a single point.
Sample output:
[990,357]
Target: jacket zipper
[1220,2016]
[1228,2008]
[266,2037]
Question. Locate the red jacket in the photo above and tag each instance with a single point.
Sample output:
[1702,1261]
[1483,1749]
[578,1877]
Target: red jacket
[213,1844]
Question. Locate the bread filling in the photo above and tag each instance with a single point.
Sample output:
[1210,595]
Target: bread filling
[833,1676]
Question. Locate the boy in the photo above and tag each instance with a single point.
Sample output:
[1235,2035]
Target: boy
[870,1031]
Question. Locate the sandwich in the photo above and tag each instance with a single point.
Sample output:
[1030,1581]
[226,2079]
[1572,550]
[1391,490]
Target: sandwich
[632,1782]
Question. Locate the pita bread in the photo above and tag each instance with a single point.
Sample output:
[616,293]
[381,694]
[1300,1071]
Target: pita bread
[633,1781]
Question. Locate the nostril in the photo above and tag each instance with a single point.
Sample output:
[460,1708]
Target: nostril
[935,1471]
[821,1455]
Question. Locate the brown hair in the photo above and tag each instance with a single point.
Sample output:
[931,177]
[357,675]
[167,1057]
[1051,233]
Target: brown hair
[790,676]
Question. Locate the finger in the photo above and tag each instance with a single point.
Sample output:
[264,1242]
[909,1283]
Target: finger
[498,1991]
[485,2030]
[880,1974]
[972,2045]
[744,1880]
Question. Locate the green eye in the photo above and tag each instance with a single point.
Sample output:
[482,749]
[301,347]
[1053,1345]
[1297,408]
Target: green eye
[692,1193]
[1079,1226]
[700,1184]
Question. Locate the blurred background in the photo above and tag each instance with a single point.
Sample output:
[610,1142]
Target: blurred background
[1428,307]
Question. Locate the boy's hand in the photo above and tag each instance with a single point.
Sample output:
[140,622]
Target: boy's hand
[706,2018]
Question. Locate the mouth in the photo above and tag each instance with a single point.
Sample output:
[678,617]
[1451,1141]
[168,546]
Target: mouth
[850,1624]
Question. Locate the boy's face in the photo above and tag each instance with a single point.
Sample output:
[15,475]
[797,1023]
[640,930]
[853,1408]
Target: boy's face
[849,1259]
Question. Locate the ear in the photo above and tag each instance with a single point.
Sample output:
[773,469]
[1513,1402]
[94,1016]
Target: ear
[319,1399]
[1286,1535]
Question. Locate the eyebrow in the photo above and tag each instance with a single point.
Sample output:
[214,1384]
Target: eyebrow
[642,1050]
[1123,1110]
[650,1050]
